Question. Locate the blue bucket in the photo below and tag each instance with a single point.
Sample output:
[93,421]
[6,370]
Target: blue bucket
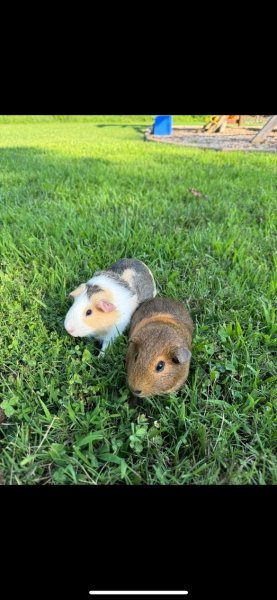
[163,125]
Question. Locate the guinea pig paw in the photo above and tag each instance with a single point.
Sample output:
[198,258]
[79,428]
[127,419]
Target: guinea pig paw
[101,354]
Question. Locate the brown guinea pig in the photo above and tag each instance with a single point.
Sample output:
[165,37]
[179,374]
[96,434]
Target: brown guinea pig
[158,356]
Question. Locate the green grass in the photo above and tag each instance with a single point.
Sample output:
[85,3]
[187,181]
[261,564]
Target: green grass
[146,120]
[75,197]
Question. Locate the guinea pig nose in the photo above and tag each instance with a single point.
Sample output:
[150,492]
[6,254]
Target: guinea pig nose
[137,392]
[70,329]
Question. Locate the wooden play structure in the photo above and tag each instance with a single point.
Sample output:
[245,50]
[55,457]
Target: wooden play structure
[217,124]
[266,129]
[217,135]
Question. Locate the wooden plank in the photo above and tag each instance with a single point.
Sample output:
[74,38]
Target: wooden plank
[265,130]
[210,123]
[221,123]
[216,124]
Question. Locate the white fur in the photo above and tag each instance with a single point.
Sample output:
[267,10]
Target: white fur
[124,300]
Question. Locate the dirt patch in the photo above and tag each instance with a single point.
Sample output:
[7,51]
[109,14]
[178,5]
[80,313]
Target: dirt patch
[232,138]
[2,416]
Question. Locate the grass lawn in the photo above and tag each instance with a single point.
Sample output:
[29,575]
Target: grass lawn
[75,196]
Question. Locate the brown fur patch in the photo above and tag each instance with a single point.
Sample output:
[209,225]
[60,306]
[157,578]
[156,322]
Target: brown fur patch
[141,362]
[99,320]
[153,339]
[128,276]
[166,319]
[162,306]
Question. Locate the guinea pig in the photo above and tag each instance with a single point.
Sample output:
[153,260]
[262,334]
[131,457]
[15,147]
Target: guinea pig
[159,352]
[104,305]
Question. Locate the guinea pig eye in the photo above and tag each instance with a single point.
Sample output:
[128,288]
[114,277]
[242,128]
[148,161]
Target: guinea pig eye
[89,311]
[160,366]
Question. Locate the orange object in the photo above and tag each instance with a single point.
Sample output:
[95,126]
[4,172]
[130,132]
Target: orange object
[231,119]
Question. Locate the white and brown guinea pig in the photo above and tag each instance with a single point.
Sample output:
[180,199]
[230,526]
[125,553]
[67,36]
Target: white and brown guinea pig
[159,353]
[104,305]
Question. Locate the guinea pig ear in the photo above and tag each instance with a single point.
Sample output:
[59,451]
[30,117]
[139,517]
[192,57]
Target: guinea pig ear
[81,288]
[105,306]
[181,355]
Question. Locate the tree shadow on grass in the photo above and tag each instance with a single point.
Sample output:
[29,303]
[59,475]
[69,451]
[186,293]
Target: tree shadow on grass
[137,128]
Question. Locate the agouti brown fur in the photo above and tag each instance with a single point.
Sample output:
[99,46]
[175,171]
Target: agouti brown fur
[159,353]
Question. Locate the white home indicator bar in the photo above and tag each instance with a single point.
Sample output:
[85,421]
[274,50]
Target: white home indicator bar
[138,593]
